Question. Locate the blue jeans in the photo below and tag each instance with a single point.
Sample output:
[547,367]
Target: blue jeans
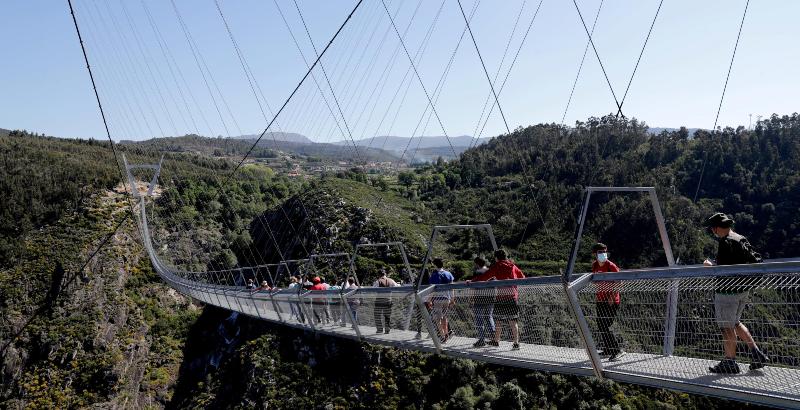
[484,321]
[353,308]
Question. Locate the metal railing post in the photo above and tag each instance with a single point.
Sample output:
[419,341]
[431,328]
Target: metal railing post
[351,314]
[309,317]
[275,305]
[578,232]
[583,326]
[432,332]
[671,320]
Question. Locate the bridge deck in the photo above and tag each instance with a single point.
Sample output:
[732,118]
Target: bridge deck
[675,372]
[771,385]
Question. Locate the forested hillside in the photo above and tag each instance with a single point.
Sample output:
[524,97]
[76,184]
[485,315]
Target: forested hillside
[529,185]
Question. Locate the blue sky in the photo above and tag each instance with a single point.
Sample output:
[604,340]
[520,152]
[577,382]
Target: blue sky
[46,89]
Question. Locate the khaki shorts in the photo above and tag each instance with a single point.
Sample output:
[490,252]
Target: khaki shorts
[440,308]
[728,308]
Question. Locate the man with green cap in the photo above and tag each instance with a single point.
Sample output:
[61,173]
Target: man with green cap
[730,299]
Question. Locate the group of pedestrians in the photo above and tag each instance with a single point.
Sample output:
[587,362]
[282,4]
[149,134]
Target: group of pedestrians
[730,299]
[489,304]
[323,308]
[495,306]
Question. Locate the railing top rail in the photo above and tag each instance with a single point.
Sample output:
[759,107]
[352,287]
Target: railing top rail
[446,227]
[327,255]
[376,244]
[266,265]
[791,266]
[395,289]
[620,189]
[531,281]
[327,292]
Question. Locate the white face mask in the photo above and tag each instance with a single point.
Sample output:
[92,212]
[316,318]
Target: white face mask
[602,257]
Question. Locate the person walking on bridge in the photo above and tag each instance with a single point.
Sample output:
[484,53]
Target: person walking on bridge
[483,306]
[506,309]
[353,302]
[440,303]
[319,303]
[297,310]
[608,302]
[383,305]
[730,299]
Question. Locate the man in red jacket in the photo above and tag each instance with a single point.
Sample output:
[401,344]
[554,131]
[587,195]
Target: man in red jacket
[506,309]
[608,301]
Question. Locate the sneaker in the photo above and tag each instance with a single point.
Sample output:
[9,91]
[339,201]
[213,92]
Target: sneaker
[387,331]
[379,332]
[479,343]
[418,336]
[617,355]
[494,343]
[759,359]
[726,366]
[515,346]
[604,353]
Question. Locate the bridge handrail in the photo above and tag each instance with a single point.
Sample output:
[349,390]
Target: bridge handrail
[791,266]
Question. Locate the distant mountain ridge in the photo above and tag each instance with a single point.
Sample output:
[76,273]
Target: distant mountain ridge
[278,136]
[399,144]
[417,149]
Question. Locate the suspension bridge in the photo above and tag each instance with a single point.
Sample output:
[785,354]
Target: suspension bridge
[666,317]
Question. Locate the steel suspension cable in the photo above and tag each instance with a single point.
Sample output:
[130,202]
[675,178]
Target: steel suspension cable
[721,98]
[418,55]
[580,66]
[350,44]
[328,81]
[591,41]
[436,93]
[251,79]
[226,223]
[390,65]
[305,61]
[652,24]
[146,57]
[170,60]
[508,129]
[363,79]
[483,64]
[118,57]
[100,104]
[136,123]
[300,83]
[125,49]
[511,66]
[497,73]
[419,78]
[199,66]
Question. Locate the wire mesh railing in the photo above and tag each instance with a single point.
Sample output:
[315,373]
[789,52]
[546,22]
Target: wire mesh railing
[632,316]
[521,320]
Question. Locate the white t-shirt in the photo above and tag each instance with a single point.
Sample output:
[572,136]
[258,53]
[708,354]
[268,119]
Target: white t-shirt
[391,282]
